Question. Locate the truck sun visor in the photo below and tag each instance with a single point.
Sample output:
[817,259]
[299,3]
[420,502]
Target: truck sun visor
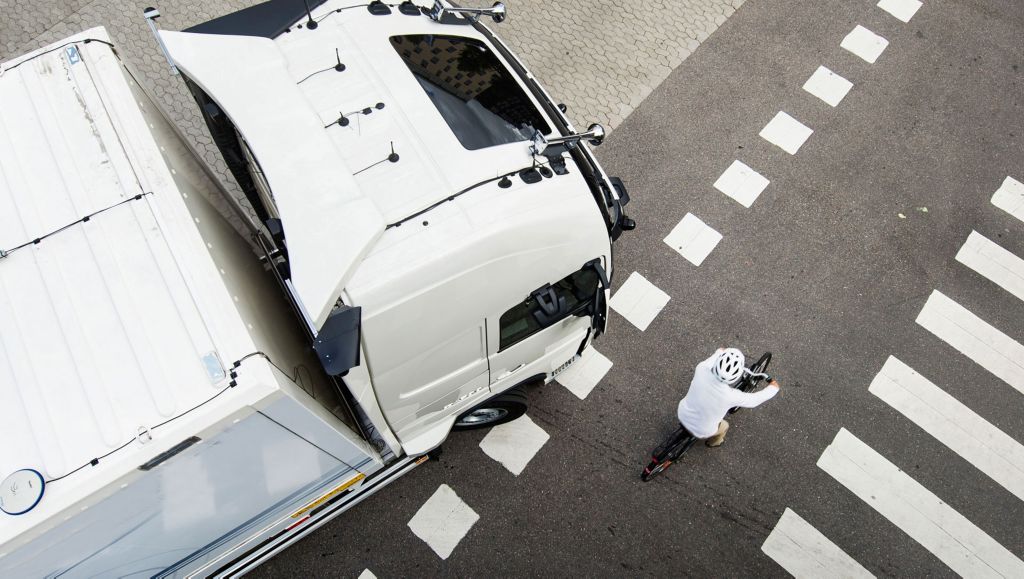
[337,344]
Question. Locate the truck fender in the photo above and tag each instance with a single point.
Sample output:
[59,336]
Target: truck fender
[429,439]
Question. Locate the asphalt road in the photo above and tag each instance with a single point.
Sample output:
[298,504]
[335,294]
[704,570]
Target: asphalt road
[822,270]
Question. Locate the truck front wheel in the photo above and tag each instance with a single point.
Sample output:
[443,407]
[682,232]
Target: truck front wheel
[503,408]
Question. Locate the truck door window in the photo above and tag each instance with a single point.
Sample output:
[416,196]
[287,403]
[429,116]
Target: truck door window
[520,323]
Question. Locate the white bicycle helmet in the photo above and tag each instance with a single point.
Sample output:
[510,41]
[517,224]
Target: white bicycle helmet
[729,366]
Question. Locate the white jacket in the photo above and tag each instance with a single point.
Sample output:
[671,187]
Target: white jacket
[708,400]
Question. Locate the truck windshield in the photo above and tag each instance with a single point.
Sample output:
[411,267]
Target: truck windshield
[475,94]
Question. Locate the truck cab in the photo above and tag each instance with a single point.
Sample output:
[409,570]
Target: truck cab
[390,154]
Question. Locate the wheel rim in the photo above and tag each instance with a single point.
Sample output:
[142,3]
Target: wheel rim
[483,416]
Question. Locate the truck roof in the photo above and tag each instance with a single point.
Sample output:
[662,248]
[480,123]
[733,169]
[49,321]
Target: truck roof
[117,333]
[333,184]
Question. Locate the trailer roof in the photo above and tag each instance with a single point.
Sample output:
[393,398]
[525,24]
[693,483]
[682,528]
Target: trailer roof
[333,183]
[114,319]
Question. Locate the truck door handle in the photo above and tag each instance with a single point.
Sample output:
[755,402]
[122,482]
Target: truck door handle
[512,371]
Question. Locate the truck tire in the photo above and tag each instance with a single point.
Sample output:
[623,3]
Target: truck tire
[503,408]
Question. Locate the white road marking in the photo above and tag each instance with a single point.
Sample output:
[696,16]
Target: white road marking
[992,261]
[443,521]
[803,551]
[585,373]
[1010,197]
[693,239]
[639,301]
[741,183]
[786,133]
[515,443]
[951,423]
[903,10]
[828,86]
[975,338]
[367,574]
[952,538]
[864,43]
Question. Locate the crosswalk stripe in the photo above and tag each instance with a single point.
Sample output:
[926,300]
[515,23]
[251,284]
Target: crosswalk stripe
[952,538]
[828,86]
[975,338]
[514,444]
[741,183]
[584,374]
[803,551]
[1010,197]
[864,43]
[443,521]
[638,300]
[980,443]
[992,261]
[903,10]
[786,133]
[693,239]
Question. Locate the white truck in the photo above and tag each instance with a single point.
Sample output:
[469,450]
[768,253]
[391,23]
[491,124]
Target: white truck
[422,235]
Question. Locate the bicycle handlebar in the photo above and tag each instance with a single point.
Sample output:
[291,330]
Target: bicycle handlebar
[758,375]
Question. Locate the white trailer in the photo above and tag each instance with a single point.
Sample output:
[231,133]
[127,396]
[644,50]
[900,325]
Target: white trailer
[174,403]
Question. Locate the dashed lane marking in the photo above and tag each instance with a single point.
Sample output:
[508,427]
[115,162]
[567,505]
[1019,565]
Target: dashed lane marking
[693,239]
[864,43]
[786,133]
[639,301]
[583,375]
[952,538]
[443,521]
[995,263]
[1010,197]
[980,443]
[741,183]
[515,443]
[903,10]
[828,86]
[803,551]
[975,338]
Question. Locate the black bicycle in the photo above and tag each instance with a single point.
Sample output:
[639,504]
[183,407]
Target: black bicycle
[676,445]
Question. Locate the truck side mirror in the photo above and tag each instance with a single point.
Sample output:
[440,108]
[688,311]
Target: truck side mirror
[553,307]
[337,343]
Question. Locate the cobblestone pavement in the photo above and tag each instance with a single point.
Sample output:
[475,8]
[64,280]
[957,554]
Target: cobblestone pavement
[600,57]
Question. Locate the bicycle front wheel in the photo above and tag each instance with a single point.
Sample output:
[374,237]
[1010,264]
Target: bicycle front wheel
[749,382]
[759,367]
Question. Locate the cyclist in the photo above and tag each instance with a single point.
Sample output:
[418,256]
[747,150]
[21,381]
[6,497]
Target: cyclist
[702,411]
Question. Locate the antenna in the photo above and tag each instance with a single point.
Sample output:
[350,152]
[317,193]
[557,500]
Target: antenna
[310,24]
[343,117]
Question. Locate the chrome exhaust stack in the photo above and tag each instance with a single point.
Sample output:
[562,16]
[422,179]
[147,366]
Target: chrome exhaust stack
[497,12]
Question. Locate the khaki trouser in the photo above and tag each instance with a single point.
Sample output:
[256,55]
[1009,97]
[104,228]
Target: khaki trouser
[717,438]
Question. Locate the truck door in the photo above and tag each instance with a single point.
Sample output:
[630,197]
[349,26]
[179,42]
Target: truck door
[546,328]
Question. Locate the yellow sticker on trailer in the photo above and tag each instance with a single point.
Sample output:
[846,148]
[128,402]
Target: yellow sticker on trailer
[330,494]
